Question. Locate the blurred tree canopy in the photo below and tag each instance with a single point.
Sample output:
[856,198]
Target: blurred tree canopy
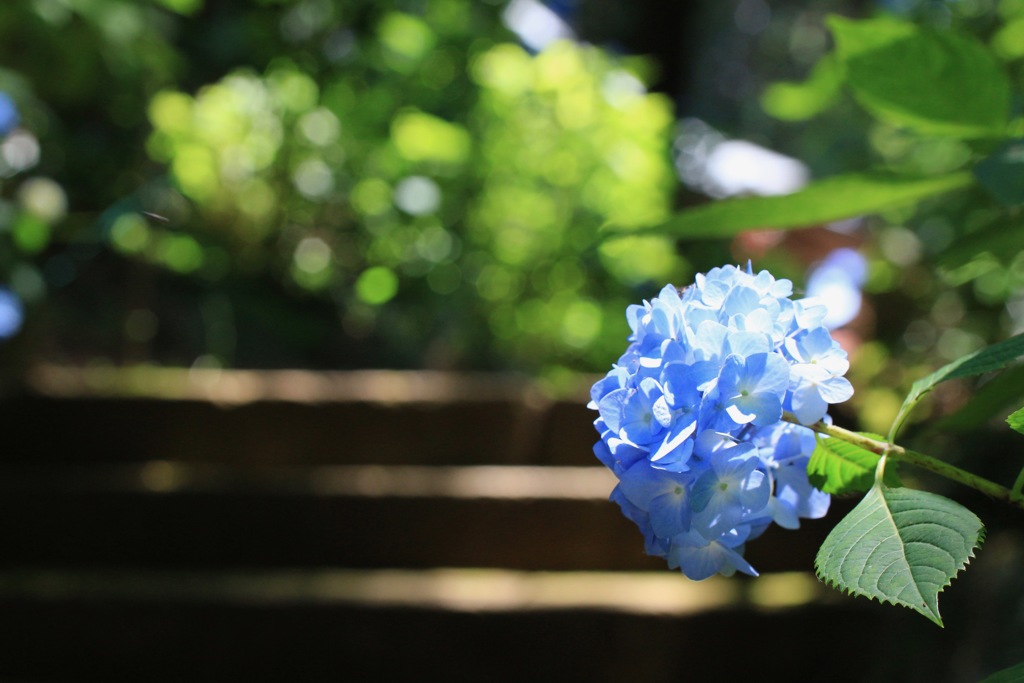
[327,184]
[413,183]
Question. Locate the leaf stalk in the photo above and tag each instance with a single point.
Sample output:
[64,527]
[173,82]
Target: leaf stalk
[1013,496]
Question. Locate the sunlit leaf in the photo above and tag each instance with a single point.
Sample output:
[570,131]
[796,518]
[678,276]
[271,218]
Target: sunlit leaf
[820,202]
[991,358]
[893,68]
[837,466]
[1016,420]
[900,546]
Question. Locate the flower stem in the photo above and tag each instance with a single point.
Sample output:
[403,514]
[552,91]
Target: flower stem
[927,462]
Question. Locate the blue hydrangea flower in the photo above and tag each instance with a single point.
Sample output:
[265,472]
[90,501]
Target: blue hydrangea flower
[691,416]
[12,313]
[9,117]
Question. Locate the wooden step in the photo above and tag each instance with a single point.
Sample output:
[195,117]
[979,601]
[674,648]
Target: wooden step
[178,515]
[378,526]
[293,417]
[466,626]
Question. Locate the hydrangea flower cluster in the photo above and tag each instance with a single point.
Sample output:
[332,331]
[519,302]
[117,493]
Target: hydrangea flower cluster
[690,416]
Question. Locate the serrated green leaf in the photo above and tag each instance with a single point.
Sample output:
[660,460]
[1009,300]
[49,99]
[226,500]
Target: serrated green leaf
[1016,421]
[1015,674]
[901,546]
[839,467]
[991,358]
[820,202]
[892,67]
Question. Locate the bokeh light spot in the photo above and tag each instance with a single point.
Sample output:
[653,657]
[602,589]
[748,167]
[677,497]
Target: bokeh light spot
[195,169]
[171,111]
[837,281]
[506,68]
[434,243]
[30,233]
[320,126]
[406,35]
[312,255]
[180,253]
[19,151]
[44,199]
[294,90]
[377,285]
[9,117]
[313,179]
[423,137]
[129,233]
[371,197]
[418,195]
[582,322]
[12,313]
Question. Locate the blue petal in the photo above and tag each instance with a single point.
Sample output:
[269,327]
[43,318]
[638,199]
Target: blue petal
[675,450]
[765,409]
[747,343]
[774,375]
[670,513]
[652,544]
[610,408]
[642,483]
[700,559]
[835,389]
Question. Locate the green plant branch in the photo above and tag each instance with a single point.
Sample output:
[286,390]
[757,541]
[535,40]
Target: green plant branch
[1018,486]
[926,462]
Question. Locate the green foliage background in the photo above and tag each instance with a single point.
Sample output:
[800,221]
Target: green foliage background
[324,184]
[399,184]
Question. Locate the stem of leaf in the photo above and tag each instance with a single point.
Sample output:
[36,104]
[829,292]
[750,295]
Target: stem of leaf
[927,462]
[1018,486]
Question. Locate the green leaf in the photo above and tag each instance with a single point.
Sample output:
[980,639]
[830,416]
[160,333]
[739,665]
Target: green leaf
[837,466]
[820,202]
[993,397]
[792,101]
[900,546]
[1016,421]
[1003,241]
[938,83]
[991,358]
[1002,173]
[1008,42]
[1015,674]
